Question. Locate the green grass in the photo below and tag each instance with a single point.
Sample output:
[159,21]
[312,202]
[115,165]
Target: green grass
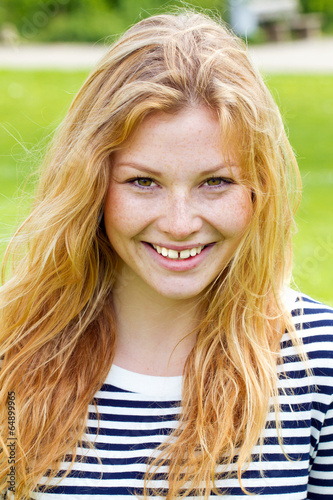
[306,103]
[34,102]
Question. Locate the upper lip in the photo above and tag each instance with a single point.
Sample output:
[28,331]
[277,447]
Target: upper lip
[178,248]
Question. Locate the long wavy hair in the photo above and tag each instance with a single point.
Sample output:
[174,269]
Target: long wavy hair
[57,324]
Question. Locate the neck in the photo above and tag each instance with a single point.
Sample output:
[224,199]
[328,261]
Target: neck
[154,333]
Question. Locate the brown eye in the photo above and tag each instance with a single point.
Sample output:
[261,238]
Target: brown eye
[218,182]
[143,181]
[214,181]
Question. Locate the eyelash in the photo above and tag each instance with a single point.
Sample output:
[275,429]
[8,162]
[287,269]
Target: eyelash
[138,178]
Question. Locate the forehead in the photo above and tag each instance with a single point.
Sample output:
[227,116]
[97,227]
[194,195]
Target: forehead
[190,138]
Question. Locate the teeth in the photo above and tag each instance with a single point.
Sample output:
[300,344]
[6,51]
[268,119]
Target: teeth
[184,254]
[173,254]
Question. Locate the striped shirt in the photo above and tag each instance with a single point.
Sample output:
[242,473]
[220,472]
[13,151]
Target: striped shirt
[137,413]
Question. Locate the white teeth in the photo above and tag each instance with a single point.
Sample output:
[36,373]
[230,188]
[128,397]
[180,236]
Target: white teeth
[184,254]
[174,254]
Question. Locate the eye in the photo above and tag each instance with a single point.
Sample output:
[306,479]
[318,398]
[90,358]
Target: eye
[217,181]
[142,182]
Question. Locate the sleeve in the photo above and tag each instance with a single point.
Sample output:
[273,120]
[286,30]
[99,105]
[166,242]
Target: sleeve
[320,485]
[317,326]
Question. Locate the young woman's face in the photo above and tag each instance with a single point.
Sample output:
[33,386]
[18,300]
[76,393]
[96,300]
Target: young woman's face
[174,212]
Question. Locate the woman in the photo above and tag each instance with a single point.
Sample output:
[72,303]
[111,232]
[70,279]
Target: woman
[151,344]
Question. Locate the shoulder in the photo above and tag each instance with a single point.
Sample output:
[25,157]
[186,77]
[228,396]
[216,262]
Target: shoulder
[314,327]
[312,319]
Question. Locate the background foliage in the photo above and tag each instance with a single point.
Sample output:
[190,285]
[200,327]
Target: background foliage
[325,7]
[84,20]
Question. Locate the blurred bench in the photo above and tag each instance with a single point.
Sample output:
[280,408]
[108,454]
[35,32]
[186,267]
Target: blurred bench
[306,25]
[299,26]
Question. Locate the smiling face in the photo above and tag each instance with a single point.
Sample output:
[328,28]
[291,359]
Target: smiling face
[174,212]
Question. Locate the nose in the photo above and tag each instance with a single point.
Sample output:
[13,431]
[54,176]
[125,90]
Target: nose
[179,218]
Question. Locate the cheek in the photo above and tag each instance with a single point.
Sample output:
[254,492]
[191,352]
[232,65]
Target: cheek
[121,213]
[116,217]
[236,213]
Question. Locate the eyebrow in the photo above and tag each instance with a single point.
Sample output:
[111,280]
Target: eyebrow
[144,168]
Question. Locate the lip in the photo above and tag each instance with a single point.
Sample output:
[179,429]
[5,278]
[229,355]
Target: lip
[179,265]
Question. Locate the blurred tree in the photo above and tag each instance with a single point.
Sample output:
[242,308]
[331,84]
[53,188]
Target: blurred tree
[325,7]
[86,20]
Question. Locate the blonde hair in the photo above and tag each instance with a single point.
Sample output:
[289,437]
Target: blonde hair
[55,309]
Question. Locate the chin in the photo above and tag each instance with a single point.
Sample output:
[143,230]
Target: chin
[178,293]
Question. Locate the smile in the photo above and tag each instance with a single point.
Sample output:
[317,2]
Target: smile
[175,255]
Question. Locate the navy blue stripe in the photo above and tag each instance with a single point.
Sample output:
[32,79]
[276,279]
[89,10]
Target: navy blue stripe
[289,472]
[133,418]
[322,453]
[301,374]
[279,457]
[104,431]
[293,424]
[326,438]
[310,339]
[108,461]
[120,491]
[123,447]
[113,388]
[103,490]
[323,467]
[321,482]
[319,323]
[307,310]
[120,403]
[287,441]
[318,496]
[303,298]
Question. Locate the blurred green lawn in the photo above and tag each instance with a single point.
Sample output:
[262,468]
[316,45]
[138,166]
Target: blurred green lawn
[33,103]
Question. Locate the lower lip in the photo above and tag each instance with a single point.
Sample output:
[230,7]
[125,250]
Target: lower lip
[178,265]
